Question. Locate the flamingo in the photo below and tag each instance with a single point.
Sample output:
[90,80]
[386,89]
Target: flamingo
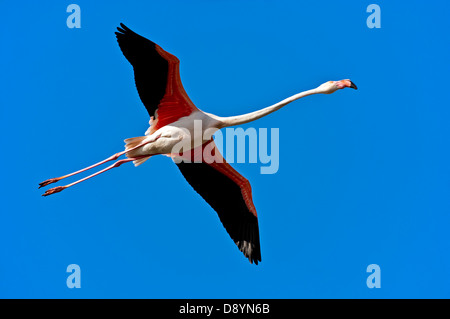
[172,118]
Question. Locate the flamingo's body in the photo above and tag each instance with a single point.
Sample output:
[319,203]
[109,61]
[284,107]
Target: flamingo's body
[173,119]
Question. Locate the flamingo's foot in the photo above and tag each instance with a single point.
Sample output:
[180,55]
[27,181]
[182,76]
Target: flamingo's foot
[49,181]
[54,190]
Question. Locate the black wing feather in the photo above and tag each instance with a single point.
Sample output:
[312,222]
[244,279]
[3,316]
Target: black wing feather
[150,68]
[225,197]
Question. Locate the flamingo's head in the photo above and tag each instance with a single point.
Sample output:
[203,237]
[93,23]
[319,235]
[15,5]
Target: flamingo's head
[332,86]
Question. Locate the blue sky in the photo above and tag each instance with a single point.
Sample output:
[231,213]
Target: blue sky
[363,176]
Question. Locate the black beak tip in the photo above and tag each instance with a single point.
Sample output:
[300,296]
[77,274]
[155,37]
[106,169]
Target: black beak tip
[353,85]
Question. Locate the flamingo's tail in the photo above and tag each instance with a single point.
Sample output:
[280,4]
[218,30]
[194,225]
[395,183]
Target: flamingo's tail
[133,142]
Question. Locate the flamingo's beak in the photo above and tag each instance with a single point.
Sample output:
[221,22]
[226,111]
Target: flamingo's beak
[346,84]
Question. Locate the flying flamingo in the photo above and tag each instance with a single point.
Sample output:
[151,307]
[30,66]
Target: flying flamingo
[172,118]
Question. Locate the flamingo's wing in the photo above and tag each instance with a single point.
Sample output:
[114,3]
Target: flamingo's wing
[228,193]
[157,77]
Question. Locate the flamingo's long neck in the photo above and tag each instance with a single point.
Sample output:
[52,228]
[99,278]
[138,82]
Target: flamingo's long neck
[249,117]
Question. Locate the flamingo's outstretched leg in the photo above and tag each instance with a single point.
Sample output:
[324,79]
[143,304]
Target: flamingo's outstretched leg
[111,158]
[56,179]
[116,164]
